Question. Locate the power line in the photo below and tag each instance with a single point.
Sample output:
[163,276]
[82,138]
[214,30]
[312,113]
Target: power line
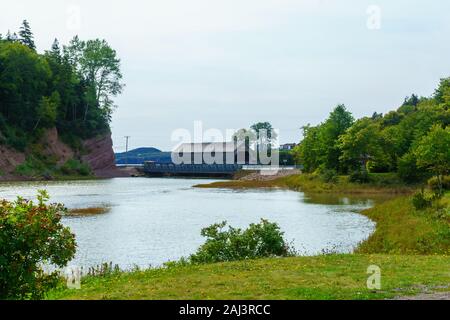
[126,152]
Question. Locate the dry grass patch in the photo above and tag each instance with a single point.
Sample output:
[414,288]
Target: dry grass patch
[92,211]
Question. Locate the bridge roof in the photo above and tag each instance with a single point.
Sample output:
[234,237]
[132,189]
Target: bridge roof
[207,147]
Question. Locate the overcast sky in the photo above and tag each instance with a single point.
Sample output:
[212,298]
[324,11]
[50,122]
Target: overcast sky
[230,63]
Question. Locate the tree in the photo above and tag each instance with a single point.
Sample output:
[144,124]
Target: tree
[408,170]
[320,147]
[411,101]
[307,153]
[241,135]
[26,36]
[265,137]
[99,66]
[24,78]
[55,51]
[433,152]
[32,234]
[72,90]
[265,132]
[442,93]
[362,143]
[336,125]
[47,110]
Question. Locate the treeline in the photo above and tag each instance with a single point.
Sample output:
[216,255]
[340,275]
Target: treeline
[412,141]
[70,87]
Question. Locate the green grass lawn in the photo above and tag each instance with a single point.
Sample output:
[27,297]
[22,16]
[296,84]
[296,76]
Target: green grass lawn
[321,277]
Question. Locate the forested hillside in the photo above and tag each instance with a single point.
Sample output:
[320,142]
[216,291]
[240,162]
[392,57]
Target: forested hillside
[70,88]
[412,141]
[140,155]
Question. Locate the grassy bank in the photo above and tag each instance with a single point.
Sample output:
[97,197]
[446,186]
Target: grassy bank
[310,183]
[321,277]
[403,229]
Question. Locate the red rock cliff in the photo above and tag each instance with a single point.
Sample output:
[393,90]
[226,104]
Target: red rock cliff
[101,156]
[98,154]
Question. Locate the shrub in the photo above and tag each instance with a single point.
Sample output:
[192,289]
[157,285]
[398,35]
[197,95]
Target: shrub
[329,176]
[75,167]
[31,167]
[32,234]
[433,183]
[359,176]
[421,201]
[258,241]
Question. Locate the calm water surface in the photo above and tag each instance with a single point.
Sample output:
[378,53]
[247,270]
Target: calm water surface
[156,220]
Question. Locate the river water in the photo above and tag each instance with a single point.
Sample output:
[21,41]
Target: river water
[152,221]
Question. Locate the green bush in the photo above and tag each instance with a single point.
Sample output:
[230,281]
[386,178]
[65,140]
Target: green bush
[75,167]
[433,183]
[421,201]
[258,241]
[359,176]
[31,167]
[32,234]
[329,176]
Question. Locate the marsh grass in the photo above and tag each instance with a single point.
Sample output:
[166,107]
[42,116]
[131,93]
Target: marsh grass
[88,211]
[312,183]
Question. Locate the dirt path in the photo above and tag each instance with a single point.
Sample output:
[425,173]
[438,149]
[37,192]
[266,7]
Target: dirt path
[428,296]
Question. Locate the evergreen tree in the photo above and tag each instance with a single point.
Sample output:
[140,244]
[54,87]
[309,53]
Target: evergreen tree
[26,36]
[55,51]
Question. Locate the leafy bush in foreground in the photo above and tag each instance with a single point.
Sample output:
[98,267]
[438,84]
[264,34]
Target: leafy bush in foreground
[31,234]
[258,241]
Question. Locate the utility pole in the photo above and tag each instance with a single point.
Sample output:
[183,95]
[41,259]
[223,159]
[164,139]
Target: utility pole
[126,152]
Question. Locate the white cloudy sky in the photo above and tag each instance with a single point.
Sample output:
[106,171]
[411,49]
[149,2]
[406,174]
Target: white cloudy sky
[230,63]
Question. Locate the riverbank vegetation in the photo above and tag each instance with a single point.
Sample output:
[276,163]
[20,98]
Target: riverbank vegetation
[91,211]
[259,240]
[378,183]
[404,229]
